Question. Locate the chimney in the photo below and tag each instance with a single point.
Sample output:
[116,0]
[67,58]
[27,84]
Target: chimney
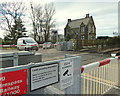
[87,15]
[69,20]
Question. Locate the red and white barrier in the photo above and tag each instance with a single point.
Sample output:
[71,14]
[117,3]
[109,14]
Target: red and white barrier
[1,45]
[8,45]
[98,64]
[21,45]
[4,46]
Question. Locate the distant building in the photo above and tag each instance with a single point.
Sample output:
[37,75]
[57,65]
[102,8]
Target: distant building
[54,37]
[83,28]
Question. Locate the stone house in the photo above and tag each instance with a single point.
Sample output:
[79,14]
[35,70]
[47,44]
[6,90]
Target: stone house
[0,41]
[82,29]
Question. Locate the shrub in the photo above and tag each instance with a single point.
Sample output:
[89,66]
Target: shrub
[7,42]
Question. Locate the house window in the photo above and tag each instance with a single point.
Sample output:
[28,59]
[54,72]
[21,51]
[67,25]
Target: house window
[92,37]
[68,30]
[76,32]
[82,29]
[82,37]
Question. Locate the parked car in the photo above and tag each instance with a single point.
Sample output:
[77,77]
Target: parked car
[27,43]
[48,45]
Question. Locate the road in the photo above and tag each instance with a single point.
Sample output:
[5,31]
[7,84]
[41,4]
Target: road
[53,54]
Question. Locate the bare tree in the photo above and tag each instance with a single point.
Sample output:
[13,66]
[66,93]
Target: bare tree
[49,12]
[33,18]
[42,18]
[37,17]
[10,12]
[39,14]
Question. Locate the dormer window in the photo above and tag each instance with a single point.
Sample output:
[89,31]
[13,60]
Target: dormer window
[82,37]
[92,37]
[82,29]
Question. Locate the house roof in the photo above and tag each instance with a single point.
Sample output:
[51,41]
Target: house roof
[76,23]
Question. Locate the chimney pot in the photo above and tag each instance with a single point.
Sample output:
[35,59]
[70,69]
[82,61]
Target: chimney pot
[69,20]
[87,15]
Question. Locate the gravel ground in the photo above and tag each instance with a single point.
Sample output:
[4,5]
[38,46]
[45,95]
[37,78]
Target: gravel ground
[53,54]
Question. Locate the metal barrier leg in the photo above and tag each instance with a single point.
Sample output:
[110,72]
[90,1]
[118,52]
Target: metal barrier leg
[118,73]
[15,61]
[91,84]
[99,81]
[84,85]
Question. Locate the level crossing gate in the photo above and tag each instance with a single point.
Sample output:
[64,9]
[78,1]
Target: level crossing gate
[64,76]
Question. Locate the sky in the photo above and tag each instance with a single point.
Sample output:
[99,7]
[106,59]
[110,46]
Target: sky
[105,14]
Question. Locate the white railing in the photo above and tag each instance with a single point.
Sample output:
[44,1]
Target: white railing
[99,77]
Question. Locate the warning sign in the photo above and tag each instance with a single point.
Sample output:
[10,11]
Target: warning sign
[43,75]
[14,82]
[66,74]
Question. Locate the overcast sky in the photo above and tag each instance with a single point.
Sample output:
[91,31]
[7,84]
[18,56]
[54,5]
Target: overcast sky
[105,14]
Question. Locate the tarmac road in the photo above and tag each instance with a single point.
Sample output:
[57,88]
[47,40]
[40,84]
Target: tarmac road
[53,54]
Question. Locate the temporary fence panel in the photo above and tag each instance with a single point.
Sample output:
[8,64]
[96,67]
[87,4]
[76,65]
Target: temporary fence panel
[59,46]
[69,46]
[65,46]
[99,77]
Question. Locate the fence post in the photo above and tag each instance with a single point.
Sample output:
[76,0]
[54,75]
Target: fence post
[15,59]
[99,48]
[118,43]
[118,73]
[77,68]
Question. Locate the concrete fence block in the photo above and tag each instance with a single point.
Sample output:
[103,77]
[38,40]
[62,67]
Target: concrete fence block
[53,90]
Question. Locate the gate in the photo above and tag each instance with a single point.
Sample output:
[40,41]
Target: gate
[100,77]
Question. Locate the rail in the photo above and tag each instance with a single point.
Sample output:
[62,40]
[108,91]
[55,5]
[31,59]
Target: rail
[13,56]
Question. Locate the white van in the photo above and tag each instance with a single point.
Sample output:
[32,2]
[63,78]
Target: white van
[27,43]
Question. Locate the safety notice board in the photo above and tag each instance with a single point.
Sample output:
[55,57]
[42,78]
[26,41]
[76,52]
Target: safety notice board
[66,74]
[43,75]
[14,82]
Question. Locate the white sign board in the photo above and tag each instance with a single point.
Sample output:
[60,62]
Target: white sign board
[43,75]
[66,74]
